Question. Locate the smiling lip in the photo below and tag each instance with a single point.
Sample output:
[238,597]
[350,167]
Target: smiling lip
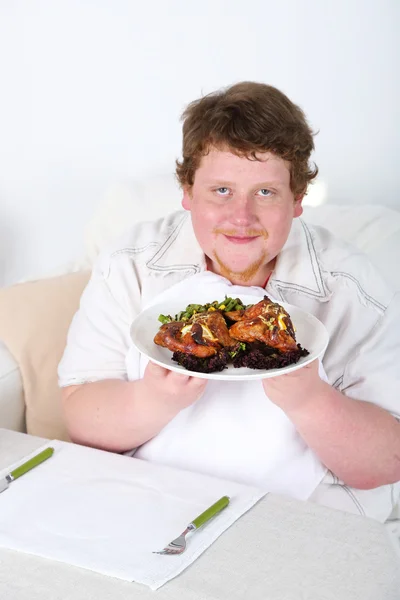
[241,240]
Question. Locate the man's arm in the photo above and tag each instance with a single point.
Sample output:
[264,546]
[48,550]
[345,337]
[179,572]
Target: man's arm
[118,415]
[357,440]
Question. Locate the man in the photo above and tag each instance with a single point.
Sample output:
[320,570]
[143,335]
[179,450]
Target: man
[244,173]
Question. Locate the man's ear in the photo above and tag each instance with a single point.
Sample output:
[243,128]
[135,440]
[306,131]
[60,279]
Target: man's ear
[187,198]
[298,206]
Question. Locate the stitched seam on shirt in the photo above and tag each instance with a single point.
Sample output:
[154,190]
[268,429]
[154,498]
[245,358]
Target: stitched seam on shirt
[307,234]
[131,250]
[338,382]
[353,497]
[333,476]
[362,291]
[310,240]
[313,258]
[298,288]
[166,246]
[280,284]
[281,295]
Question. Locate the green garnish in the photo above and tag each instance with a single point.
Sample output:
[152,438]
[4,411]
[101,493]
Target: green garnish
[165,319]
[242,346]
[227,305]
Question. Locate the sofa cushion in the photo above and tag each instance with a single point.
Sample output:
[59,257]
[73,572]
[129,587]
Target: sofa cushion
[34,321]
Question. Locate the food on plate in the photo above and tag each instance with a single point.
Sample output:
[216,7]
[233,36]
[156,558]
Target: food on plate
[202,335]
[206,338]
[266,322]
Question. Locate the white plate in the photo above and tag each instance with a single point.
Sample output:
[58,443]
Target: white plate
[310,333]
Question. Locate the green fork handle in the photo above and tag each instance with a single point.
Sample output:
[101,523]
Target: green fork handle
[33,462]
[211,512]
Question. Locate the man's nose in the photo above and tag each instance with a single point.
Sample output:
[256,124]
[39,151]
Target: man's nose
[242,210]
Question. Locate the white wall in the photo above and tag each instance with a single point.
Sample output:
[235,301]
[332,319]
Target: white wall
[92,90]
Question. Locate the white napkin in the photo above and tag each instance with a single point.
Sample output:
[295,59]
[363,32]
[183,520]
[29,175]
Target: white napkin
[108,513]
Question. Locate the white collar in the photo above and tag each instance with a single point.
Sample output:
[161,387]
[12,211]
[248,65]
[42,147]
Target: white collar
[297,267]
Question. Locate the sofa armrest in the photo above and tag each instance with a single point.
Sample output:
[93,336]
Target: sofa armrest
[12,404]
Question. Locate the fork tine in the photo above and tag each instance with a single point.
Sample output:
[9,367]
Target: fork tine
[169,551]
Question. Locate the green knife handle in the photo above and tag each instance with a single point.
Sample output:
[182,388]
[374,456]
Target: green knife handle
[211,512]
[33,462]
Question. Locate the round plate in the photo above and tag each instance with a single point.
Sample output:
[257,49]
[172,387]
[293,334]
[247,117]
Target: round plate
[310,333]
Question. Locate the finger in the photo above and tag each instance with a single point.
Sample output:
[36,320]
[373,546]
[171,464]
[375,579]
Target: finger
[155,371]
[177,378]
[186,380]
[197,382]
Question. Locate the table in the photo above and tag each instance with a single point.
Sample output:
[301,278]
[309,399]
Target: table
[282,549]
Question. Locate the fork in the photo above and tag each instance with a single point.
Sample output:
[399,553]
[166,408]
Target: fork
[178,545]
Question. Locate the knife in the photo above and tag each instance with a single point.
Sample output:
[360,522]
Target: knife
[25,467]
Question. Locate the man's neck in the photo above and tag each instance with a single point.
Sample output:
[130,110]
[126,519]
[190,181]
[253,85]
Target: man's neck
[260,278]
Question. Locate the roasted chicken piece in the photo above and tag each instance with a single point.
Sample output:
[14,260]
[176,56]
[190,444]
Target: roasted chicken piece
[266,322]
[202,336]
[212,325]
[235,315]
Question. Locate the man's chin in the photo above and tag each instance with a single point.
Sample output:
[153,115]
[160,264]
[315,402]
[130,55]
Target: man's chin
[243,270]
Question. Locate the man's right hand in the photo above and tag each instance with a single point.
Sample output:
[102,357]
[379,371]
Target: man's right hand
[173,390]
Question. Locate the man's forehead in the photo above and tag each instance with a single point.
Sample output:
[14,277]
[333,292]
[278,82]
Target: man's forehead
[220,163]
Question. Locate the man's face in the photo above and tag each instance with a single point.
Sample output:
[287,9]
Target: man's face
[242,211]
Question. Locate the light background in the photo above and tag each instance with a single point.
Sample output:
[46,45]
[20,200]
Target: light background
[92,90]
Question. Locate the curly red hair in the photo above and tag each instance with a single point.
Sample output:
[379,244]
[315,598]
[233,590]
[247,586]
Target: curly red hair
[248,118]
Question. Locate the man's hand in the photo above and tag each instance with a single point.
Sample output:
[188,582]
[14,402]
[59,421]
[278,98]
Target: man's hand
[356,440]
[118,415]
[295,390]
[173,390]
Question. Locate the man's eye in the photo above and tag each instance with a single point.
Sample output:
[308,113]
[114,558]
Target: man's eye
[223,191]
[264,193]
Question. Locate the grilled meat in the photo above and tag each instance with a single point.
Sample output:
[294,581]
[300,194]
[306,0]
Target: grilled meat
[235,315]
[212,324]
[266,322]
[202,336]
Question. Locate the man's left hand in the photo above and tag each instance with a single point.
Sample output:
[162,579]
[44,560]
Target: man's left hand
[295,390]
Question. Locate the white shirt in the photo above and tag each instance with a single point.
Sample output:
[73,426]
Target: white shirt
[314,271]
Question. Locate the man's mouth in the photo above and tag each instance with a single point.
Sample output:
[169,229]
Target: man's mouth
[244,236]
[239,239]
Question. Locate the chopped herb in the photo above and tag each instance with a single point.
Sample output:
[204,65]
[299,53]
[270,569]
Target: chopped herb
[165,319]
[240,347]
[227,305]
